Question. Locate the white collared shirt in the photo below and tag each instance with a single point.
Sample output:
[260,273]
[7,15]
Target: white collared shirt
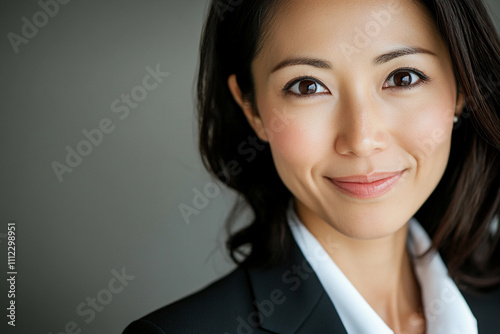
[445,309]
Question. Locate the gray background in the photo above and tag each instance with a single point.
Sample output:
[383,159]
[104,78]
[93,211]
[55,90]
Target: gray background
[120,207]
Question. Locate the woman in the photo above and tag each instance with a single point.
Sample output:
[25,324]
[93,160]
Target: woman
[357,132]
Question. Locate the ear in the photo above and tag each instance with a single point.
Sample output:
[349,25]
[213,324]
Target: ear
[461,100]
[251,115]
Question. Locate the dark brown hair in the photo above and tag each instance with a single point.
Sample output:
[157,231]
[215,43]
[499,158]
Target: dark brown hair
[460,214]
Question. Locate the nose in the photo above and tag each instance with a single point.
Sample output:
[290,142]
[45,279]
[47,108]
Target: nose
[362,130]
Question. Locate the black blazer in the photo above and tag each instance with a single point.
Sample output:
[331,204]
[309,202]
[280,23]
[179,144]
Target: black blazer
[290,299]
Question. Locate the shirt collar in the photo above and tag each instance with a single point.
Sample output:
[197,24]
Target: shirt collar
[445,308]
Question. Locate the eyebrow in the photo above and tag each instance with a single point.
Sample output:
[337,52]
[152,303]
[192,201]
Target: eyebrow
[314,62]
[405,51]
[323,64]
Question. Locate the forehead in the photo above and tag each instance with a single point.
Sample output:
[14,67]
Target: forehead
[353,29]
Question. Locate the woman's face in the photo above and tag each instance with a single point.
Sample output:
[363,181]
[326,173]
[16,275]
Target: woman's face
[356,99]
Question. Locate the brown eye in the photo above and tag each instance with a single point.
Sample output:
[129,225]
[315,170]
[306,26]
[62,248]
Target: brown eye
[404,78]
[306,87]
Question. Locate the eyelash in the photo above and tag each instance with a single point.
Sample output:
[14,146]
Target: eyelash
[423,79]
[291,83]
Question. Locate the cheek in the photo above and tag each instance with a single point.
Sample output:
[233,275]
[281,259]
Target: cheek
[298,138]
[427,136]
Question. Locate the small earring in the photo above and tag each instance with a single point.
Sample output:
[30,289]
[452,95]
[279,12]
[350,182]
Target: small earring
[455,119]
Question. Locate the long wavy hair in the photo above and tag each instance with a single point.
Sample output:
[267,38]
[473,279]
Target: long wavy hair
[461,215]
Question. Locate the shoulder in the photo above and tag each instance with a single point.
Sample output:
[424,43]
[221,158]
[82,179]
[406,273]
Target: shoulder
[214,309]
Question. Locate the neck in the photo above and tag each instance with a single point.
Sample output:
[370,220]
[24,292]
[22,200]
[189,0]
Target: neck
[380,269]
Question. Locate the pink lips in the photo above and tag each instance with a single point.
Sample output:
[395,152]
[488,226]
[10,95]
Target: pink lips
[367,186]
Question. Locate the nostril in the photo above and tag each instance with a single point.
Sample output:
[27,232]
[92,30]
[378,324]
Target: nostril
[361,143]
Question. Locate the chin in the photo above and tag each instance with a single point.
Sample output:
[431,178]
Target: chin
[368,224]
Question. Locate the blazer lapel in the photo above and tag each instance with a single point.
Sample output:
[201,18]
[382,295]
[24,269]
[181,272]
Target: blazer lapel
[291,299]
[486,310]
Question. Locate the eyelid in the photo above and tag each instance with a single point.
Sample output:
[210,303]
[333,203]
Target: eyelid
[423,77]
[291,83]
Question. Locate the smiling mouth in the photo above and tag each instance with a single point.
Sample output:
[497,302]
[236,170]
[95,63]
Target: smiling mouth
[367,186]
